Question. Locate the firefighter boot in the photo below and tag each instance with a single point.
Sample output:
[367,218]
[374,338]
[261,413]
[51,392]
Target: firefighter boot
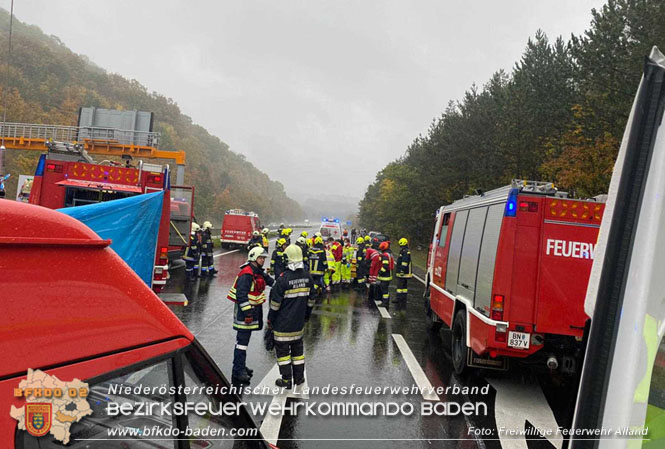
[242,379]
[284,383]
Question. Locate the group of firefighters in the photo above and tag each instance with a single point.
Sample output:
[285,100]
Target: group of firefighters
[199,252]
[299,273]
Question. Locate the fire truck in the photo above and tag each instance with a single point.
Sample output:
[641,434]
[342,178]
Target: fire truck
[64,180]
[238,226]
[507,273]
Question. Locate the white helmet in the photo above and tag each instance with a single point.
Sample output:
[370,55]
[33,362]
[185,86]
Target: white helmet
[302,240]
[265,230]
[255,233]
[207,225]
[195,227]
[255,253]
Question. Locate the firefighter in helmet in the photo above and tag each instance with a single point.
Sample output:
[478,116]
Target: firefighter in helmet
[360,262]
[337,250]
[301,242]
[291,302]
[347,260]
[192,253]
[277,262]
[403,271]
[255,241]
[318,264]
[264,238]
[248,293]
[385,274]
[207,260]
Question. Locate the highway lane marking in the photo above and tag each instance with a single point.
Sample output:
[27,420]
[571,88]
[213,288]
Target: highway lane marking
[515,404]
[224,254]
[382,310]
[272,424]
[416,371]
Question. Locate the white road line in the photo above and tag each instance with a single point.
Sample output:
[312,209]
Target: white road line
[272,423]
[416,371]
[515,404]
[420,279]
[382,310]
[224,254]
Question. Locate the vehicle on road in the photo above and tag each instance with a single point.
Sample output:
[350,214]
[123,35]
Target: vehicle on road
[507,272]
[237,228]
[380,237]
[67,318]
[330,228]
[65,181]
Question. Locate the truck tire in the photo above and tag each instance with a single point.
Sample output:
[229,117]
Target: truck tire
[458,342]
[225,245]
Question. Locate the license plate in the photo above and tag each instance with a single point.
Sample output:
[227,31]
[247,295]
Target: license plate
[519,340]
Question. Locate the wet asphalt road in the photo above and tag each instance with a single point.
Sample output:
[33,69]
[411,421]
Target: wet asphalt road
[349,342]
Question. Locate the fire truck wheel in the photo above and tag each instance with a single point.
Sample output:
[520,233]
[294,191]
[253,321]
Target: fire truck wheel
[458,342]
[225,245]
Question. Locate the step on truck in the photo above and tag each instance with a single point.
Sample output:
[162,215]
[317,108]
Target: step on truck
[64,181]
[507,272]
[237,227]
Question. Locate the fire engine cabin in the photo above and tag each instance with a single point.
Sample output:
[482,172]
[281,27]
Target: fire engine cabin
[238,226]
[62,315]
[182,216]
[60,182]
[508,272]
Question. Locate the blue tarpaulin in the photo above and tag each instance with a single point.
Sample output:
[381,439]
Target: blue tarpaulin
[131,223]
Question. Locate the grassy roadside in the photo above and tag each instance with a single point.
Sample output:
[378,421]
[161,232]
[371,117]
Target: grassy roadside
[419,258]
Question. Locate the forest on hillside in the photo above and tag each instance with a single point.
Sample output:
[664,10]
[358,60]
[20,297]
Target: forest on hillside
[559,116]
[47,83]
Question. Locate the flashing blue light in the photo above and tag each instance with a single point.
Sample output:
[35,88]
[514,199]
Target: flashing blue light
[336,220]
[324,219]
[40,165]
[511,204]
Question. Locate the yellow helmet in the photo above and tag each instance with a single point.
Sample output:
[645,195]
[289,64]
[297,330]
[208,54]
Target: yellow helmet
[318,240]
[359,240]
[281,242]
[309,243]
[288,231]
[304,234]
[368,238]
[403,242]
[293,253]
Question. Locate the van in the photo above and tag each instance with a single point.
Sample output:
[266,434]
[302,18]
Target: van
[508,271]
[73,310]
[330,228]
[237,227]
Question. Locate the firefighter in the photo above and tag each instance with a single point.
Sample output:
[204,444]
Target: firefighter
[337,250]
[277,262]
[373,258]
[318,264]
[304,234]
[316,234]
[360,261]
[255,241]
[248,295]
[301,242]
[286,235]
[403,271]
[347,259]
[291,302]
[207,247]
[331,265]
[385,274]
[192,253]
[264,239]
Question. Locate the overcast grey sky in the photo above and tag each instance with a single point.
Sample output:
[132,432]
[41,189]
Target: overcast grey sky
[332,90]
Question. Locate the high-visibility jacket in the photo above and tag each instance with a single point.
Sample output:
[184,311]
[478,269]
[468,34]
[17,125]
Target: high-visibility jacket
[403,269]
[337,251]
[290,304]
[330,258]
[248,292]
[277,262]
[318,264]
[387,265]
[348,253]
[265,242]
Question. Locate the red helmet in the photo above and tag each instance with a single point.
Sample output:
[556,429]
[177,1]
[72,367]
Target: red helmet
[345,232]
[383,245]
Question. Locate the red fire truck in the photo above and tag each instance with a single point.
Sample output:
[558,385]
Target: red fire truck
[60,182]
[238,226]
[182,216]
[508,271]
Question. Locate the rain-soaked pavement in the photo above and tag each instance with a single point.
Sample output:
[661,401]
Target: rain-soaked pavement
[350,342]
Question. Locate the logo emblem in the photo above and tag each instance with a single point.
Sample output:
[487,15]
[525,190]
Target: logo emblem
[38,418]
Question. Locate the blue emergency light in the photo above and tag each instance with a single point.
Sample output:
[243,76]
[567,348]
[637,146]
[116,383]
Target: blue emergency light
[511,204]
